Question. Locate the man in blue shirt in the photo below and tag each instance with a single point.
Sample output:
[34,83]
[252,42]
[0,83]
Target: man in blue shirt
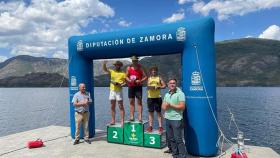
[81,101]
[174,105]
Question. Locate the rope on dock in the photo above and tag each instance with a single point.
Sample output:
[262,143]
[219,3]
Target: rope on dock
[222,136]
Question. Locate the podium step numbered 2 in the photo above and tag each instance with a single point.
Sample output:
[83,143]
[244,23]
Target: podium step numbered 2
[115,133]
[132,133]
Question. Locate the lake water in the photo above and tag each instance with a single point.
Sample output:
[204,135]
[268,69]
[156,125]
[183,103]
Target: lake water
[256,110]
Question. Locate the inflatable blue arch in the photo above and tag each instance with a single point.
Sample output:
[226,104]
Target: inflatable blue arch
[194,40]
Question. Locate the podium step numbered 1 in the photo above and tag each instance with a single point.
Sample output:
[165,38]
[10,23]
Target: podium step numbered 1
[133,134]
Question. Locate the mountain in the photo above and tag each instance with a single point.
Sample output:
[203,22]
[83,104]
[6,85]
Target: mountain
[240,62]
[39,79]
[248,62]
[98,70]
[167,68]
[169,65]
[15,70]
[24,64]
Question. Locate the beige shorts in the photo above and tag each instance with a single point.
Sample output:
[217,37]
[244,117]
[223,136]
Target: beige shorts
[116,95]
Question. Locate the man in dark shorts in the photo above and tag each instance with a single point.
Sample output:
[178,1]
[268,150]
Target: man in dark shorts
[154,101]
[135,76]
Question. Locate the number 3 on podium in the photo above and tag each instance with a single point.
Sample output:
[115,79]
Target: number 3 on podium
[152,140]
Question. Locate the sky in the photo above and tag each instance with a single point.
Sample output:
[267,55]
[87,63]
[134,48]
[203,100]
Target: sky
[42,27]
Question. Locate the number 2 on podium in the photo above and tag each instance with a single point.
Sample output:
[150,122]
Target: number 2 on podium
[115,134]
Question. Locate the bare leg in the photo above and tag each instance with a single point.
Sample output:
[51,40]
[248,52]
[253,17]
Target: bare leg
[113,110]
[132,108]
[159,119]
[151,118]
[140,108]
[122,111]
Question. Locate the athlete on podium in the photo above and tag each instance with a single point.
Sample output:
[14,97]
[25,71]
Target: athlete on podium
[135,76]
[117,82]
[154,101]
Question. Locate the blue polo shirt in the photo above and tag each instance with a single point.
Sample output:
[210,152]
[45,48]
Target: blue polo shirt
[79,97]
[174,99]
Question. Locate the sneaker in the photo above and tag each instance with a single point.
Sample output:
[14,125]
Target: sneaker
[131,119]
[149,129]
[76,142]
[88,141]
[160,129]
[168,151]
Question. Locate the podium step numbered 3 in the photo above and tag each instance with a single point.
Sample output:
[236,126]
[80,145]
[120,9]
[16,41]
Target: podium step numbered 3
[132,133]
[155,139]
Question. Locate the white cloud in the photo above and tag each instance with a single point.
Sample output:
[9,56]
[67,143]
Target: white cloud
[3,58]
[43,27]
[186,1]
[4,44]
[124,23]
[175,17]
[60,54]
[249,36]
[94,31]
[12,5]
[272,32]
[225,8]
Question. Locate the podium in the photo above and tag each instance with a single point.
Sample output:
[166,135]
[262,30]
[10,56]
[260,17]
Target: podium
[132,133]
[155,139]
[115,133]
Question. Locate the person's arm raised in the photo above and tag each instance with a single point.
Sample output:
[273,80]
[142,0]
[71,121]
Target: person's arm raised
[105,67]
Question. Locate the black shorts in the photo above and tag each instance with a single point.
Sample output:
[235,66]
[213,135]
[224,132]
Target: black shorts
[135,92]
[154,104]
